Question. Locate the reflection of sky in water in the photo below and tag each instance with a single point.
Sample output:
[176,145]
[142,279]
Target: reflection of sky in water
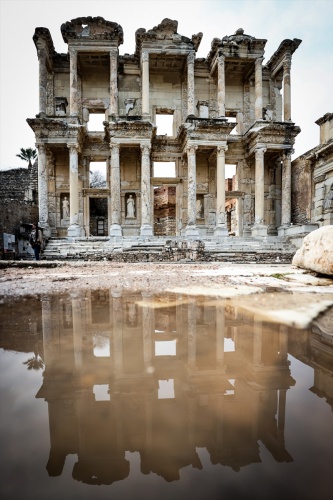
[166,389]
[144,412]
[165,347]
[101,345]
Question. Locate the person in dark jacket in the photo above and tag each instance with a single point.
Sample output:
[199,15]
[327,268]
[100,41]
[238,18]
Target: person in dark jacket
[36,240]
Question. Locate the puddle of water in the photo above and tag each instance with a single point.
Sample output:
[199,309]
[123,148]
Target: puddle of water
[142,395]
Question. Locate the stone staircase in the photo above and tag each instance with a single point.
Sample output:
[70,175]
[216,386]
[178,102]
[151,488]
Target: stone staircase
[170,249]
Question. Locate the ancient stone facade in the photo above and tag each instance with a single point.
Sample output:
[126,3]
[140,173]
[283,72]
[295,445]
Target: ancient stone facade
[312,180]
[19,209]
[227,108]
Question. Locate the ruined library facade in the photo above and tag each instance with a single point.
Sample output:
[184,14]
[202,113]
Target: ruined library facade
[228,110]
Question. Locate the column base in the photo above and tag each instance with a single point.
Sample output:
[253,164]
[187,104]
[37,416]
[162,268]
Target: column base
[75,231]
[45,229]
[146,230]
[221,232]
[116,230]
[259,231]
[191,232]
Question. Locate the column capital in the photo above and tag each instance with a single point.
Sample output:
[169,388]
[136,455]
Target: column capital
[220,57]
[41,148]
[222,149]
[287,62]
[145,148]
[72,52]
[190,58]
[41,54]
[259,152]
[191,149]
[73,147]
[113,52]
[258,62]
[145,56]
[286,155]
[114,146]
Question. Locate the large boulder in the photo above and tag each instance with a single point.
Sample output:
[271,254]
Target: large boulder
[316,252]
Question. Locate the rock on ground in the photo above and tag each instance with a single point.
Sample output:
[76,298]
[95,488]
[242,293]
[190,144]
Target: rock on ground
[316,252]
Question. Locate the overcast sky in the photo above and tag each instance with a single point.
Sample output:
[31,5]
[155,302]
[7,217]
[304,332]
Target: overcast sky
[274,20]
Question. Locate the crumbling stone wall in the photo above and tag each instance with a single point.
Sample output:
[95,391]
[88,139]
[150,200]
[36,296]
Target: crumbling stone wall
[19,204]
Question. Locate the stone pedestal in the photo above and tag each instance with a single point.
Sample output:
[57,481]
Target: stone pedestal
[75,231]
[191,232]
[259,231]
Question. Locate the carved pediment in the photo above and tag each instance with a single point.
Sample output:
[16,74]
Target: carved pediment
[92,28]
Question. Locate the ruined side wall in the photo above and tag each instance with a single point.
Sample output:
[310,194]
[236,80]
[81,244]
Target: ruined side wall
[301,191]
[18,200]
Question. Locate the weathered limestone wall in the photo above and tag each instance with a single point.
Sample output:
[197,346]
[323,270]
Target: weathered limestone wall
[18,199]
[165,92]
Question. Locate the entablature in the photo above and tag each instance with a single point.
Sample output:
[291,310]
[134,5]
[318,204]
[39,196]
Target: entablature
[89,29]
[277,136]
[286,49]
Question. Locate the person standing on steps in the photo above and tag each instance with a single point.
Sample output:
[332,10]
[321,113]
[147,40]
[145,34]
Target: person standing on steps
[36,240]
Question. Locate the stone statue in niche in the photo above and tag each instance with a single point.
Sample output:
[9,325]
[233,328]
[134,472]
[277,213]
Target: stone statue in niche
[65,208]
[199,209]
[130,209]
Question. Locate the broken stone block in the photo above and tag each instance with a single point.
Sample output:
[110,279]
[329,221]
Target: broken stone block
[316,252]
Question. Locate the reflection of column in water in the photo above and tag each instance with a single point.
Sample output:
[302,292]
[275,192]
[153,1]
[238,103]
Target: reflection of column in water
[147,325]
[282,410]
[79,326]
[117,331]
[47,331]
[220,326]
[257,341]
[149,425]
[191,321]
[283,342]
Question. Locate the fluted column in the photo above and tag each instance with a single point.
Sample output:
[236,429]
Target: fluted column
[113,82]
[259,228]
[220,229]
[146,228]
[286,189]
[191,228]
[115,229]
[42,81]
[73,97]
[190,84]
[221,85]
[43,190]
[145,82]
[74,229]
[286,89]
[258,89]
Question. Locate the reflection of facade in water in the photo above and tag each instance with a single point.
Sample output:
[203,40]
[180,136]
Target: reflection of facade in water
[162,404]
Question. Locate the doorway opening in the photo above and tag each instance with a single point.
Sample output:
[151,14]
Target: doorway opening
[98,216]
[165,211]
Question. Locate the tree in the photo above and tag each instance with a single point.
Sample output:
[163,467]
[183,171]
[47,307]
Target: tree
[97,179]
[28,155]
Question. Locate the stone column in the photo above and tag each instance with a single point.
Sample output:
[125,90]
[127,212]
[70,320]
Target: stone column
[259,228]
[43,191]
[73,97]
[190,84]
[220,229]
[191,228]
[145,82]
[258,89]
[286,189]
[240,215]
[221,85]
[74,229]
[115,228]
[113,82]
[41,53]
[286,89]
[146,228]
